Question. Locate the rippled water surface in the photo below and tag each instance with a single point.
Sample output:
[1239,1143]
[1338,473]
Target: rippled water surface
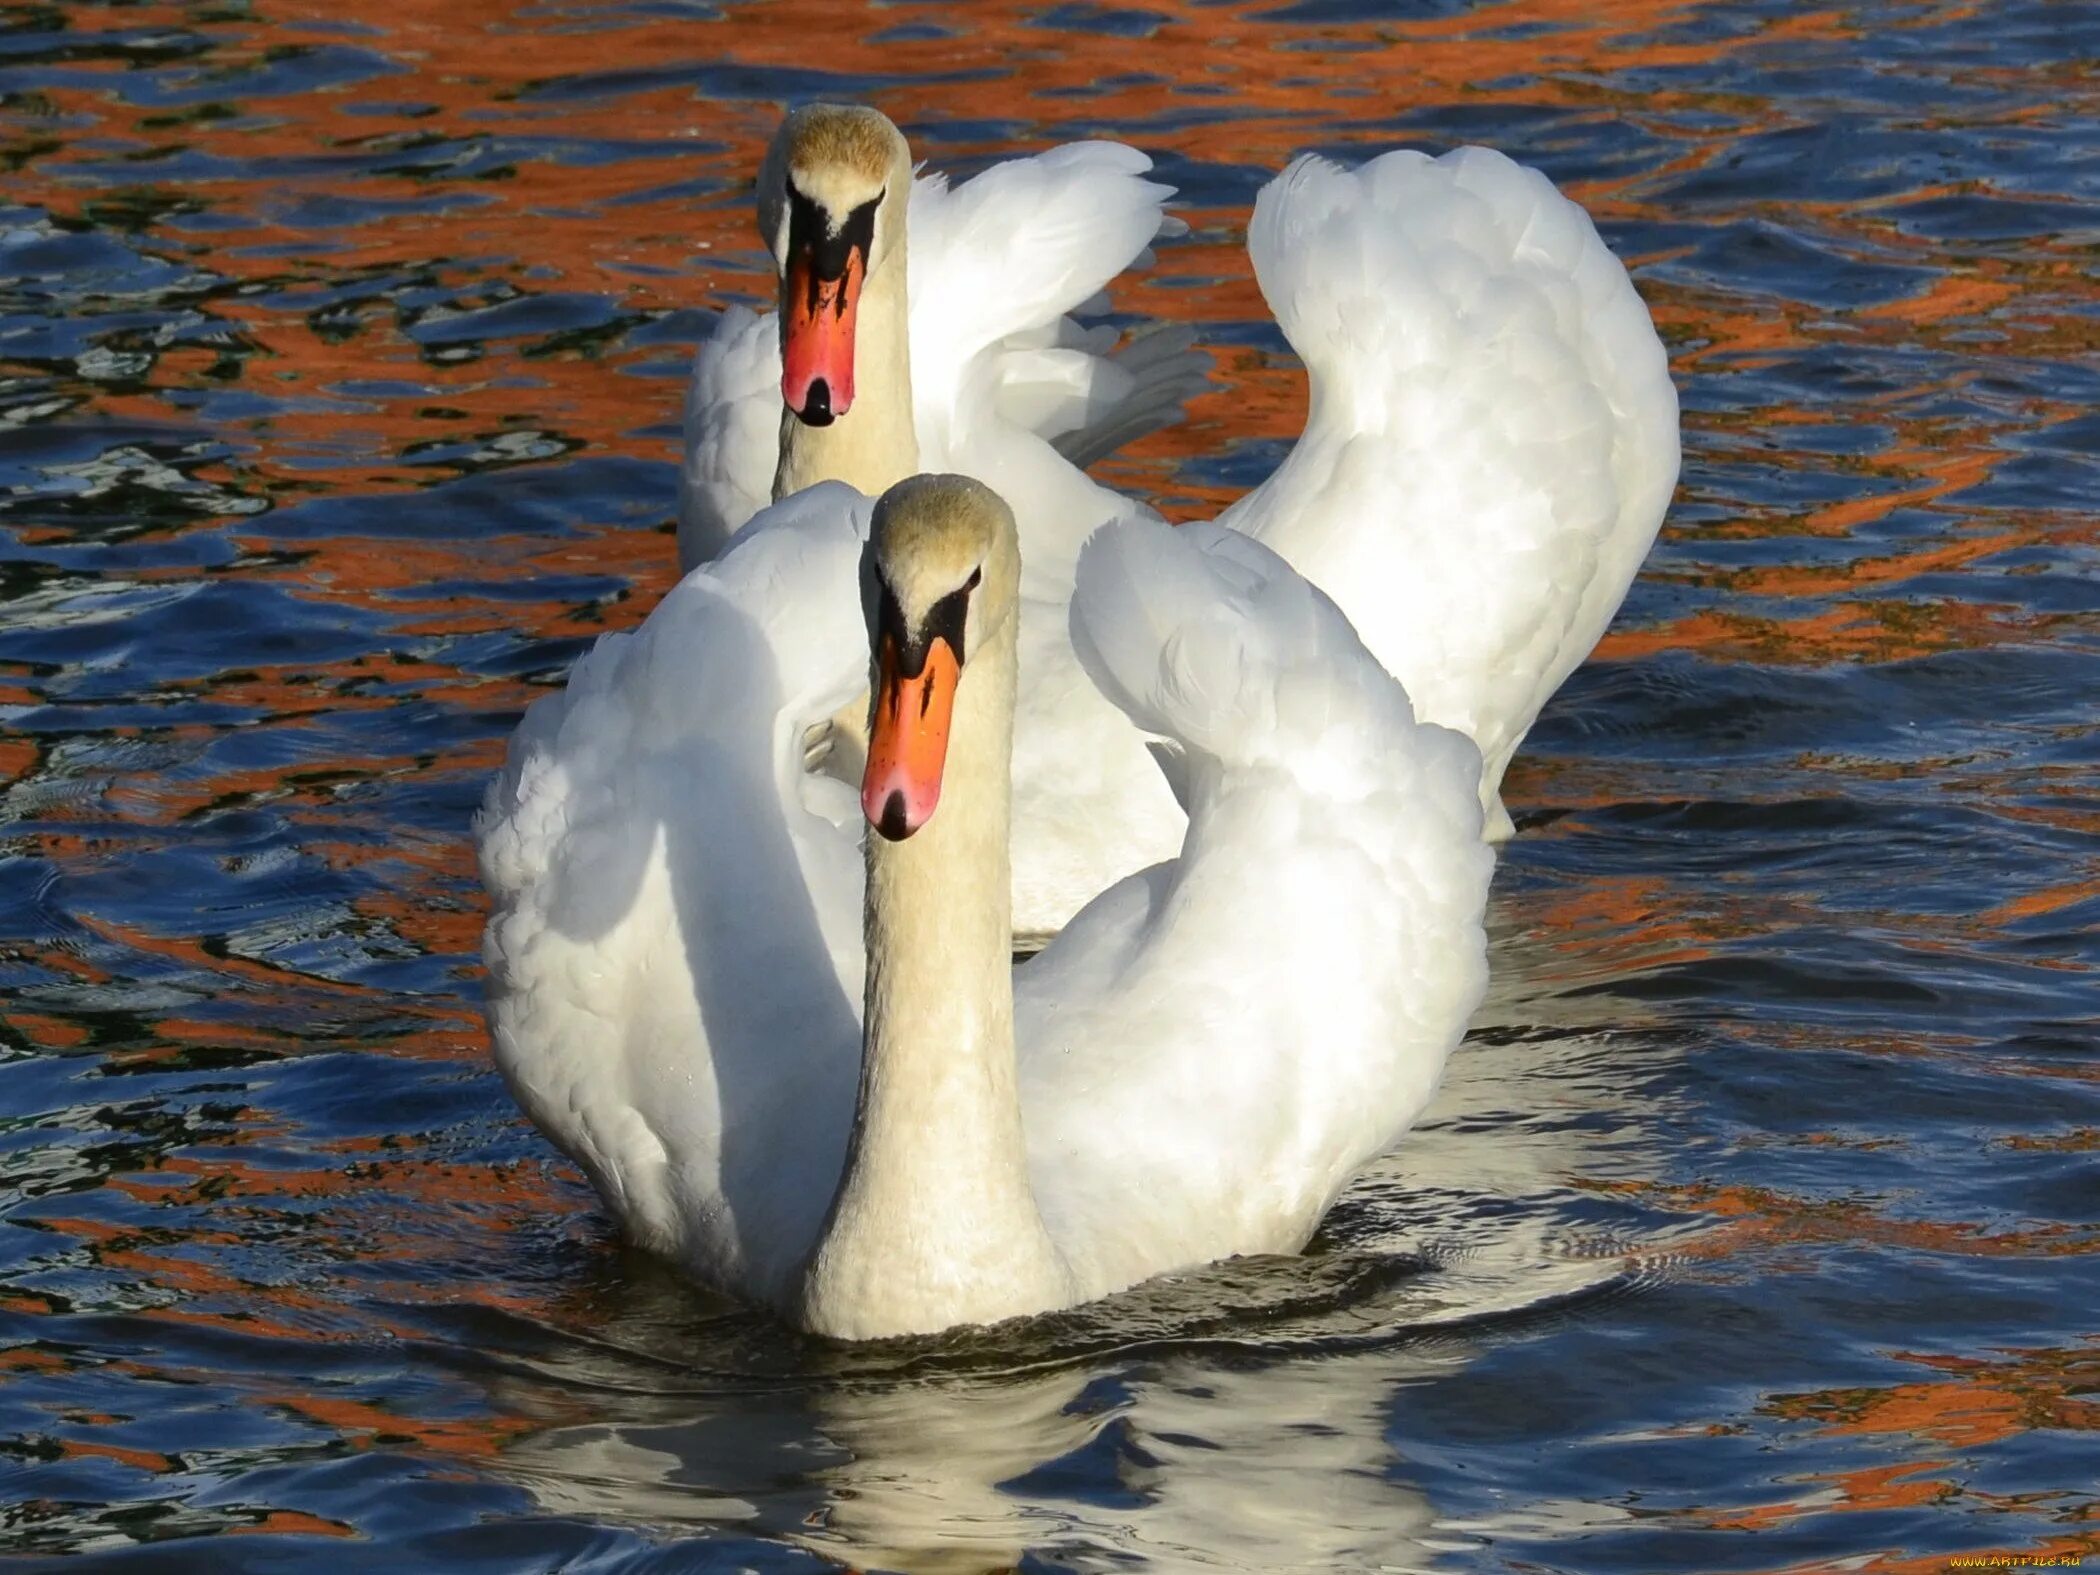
[1755,1228]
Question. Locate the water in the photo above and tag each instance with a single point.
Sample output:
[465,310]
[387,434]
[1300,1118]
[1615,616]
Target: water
[1755,1228]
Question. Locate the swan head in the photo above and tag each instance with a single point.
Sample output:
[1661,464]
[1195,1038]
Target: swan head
[831,199]
[942,578]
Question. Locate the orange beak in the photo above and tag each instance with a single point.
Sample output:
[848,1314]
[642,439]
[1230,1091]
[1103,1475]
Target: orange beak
[908,741]
[816,344]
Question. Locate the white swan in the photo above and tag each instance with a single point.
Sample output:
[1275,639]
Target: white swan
[1490,445]
[968,359]
[1192,1069]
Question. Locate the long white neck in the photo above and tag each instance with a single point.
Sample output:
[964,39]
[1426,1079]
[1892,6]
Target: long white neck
[874,444]
[934,1224]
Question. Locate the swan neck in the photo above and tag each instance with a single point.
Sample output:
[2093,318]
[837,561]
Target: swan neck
[875,443]
[934,1223]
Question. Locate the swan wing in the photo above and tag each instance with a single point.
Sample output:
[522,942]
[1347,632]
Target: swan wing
[673,944]
[1492,436]
[1000,262]
[1230,1035]
[732,432]
[1010,389]
[1107,395]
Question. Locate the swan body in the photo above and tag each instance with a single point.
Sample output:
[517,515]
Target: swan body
[809,1072]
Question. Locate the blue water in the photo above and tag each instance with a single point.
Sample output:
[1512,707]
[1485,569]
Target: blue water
[1755,1227]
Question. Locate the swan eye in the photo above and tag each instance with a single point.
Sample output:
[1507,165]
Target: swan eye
[975,579]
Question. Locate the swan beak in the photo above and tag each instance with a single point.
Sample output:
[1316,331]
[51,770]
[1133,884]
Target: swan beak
[816,327]
[908,741]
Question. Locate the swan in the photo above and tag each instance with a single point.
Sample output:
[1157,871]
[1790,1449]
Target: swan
[967,359]
[1490,444]
[777,1024]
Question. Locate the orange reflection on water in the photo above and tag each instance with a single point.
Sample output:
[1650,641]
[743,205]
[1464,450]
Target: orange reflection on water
[547,222]
[1761,1220]
[1978,1403]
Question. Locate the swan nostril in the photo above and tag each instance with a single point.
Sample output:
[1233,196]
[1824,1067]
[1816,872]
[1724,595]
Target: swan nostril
[893,824]
[816,404]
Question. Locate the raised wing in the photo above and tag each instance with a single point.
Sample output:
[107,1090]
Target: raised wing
[732,433]
[673,945]
[1274,1007]
[1492,437]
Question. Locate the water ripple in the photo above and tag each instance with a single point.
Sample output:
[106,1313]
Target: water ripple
[339,371]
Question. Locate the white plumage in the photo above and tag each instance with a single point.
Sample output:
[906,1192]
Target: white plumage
[1214,1045]
[1492,436]
[1206,1054]
[673,943]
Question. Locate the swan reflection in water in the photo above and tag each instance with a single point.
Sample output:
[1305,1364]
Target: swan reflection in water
[1221,1453]
[1239,1417]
